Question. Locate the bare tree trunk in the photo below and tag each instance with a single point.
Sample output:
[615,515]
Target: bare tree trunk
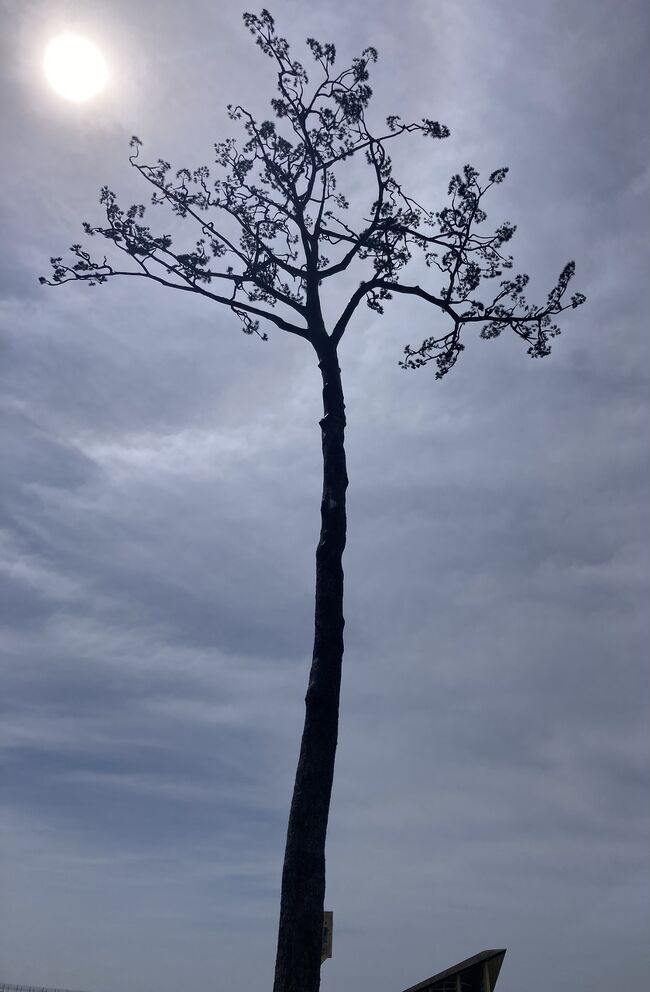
[297,967]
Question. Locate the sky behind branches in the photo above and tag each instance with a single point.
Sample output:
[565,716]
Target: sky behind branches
[159,515]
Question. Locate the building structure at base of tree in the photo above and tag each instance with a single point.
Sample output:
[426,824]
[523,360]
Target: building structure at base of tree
[476,974]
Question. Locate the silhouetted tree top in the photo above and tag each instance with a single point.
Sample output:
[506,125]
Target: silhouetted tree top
[272,226]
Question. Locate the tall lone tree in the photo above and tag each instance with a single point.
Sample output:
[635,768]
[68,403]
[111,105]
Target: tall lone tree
[271,231]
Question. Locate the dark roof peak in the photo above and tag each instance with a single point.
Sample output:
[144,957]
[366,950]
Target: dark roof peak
[470,972]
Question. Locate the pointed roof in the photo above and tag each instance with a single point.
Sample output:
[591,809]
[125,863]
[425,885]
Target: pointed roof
[470,971]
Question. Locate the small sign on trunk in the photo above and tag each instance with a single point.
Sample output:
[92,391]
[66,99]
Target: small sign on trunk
[326,951]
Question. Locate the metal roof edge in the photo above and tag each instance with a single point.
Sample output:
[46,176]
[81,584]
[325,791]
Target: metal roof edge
[456,968]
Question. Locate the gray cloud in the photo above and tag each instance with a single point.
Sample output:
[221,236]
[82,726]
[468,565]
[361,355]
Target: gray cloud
[160,512]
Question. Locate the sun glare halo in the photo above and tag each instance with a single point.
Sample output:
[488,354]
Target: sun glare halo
[74,67]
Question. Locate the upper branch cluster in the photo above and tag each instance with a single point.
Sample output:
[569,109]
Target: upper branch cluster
[271,225]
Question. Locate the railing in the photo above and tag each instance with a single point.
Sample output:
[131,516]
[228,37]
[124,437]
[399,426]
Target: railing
[4,987]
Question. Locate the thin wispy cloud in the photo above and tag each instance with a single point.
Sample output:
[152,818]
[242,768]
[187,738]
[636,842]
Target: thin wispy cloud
[159,515]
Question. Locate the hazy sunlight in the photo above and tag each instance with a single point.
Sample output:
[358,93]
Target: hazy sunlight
[74,67]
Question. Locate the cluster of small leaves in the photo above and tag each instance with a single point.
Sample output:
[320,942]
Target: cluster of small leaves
[508,309]
[444,351]
[275,204]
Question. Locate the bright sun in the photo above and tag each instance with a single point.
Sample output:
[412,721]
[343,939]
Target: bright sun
[74,67]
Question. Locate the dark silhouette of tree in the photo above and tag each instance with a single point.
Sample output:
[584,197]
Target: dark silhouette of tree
[271,231]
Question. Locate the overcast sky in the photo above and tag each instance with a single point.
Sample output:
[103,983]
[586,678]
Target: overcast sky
[160,496]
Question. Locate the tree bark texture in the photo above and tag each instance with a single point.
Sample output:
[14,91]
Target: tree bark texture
[298,958]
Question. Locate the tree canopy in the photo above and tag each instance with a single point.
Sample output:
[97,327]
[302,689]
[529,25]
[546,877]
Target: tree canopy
[272,224]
